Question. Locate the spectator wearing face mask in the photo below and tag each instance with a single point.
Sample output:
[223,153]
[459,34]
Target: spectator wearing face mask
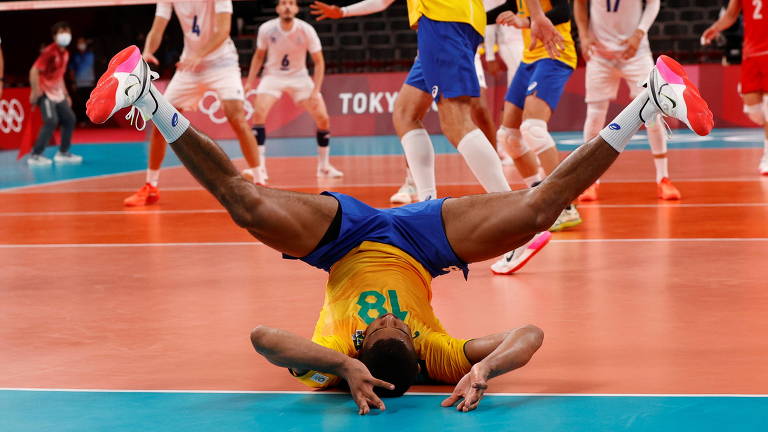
[46,78]
[81,67]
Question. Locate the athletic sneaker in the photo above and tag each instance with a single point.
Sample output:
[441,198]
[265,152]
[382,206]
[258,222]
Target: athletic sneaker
[145,196]
[568,218]
[255,177]
[676,96]
[67,158]
[329,171]
[38,160]
[590,194]
[126,80]
[405,195]
[668,191]
[263,170]
[764,164]
[515,260]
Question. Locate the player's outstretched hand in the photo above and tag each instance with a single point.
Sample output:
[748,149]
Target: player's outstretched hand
[470,389]
[543,30]
[325,11]
[361,384]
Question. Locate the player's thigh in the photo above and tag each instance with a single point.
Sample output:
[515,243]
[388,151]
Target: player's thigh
[635,72]
[547,83]
[480,227]
[183,91]
[268,92]
[752,98]
[601,80]
[315,106]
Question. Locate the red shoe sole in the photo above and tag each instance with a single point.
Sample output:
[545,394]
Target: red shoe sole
[699,116]
[102,100]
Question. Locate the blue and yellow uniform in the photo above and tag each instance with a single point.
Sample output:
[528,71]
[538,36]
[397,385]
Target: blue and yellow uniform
[383,261]
[449,32]
[538,73]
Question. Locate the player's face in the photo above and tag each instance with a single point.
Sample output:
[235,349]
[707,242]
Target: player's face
[387,327]
[287,9]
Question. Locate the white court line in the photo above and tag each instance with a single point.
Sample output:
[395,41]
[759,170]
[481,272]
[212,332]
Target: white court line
[205,244]
[207,211]
[310,392]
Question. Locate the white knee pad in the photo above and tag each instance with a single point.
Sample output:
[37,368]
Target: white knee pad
[536,136]
[596,113]
[756,112]
[512,141]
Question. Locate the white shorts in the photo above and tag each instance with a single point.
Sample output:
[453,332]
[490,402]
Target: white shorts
[479,70]
[299,87]
[603,76]
[186,89]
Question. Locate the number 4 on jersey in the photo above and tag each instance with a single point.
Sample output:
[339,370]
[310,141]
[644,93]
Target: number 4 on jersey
[195,27]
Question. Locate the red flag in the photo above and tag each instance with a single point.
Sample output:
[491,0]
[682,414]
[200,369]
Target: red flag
[26,136]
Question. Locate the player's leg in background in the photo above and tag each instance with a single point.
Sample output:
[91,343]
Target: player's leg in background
[411,105]
[235,113]
[315,106]
[764,160]
[67,120]
[756,108]
[595,120]
[265,100]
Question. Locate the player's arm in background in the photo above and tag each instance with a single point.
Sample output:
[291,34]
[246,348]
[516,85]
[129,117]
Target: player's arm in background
[492,356]
[366,7]
[258,59]
[581,17]
[288,350]
[155,36]
[2,75]
[726,20]
[223,26]
[542,28]
[646,20]
[316,52]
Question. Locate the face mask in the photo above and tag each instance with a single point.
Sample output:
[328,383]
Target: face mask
[63,39]
[82,46]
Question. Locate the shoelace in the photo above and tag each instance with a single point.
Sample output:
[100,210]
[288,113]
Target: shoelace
[667,129]
[135,112]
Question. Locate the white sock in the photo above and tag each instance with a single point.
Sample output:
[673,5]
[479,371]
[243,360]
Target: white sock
[168,120]
[153,177]
[322,156]
[409,177]
[662,169]
[421,160]
[482,160]
[529,181]
[765,145]
[628,122]
[262,155]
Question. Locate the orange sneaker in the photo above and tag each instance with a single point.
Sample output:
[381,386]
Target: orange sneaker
[590,194]
[668,191]
[145,196]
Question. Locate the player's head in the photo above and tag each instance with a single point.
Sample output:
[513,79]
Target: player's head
[61,33]
[389,354]
[287,9]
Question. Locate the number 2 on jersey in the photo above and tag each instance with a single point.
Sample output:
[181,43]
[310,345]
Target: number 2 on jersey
[615,7]
[757,14]
[195,27]
[374,300]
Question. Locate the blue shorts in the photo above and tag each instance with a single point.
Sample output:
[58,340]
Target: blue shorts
[416,229]
[445,64]
[546,78]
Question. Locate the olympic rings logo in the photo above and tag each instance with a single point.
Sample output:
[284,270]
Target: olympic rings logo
[210,105]
[11,116]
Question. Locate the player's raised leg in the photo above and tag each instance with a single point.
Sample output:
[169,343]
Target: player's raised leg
[290,222]
[482,226]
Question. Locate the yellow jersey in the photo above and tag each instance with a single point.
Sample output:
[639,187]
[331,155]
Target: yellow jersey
[568,56]
[374,279]
[471,12]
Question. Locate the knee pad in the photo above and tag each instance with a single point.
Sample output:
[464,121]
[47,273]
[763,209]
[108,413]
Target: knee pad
[511,141]
[756,112]
[596,113]
[536,136]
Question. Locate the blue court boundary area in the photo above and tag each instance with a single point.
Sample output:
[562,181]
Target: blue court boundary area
[115,411]
[119,158]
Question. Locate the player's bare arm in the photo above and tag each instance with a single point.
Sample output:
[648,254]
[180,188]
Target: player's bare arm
[366,7]
[253,73]
[633,42]
[728,19]
[581,17]
[220,35]
[492,356]
[323,11]
[154,37]
[34,84]
[512,19]
[288,350]
[543,30]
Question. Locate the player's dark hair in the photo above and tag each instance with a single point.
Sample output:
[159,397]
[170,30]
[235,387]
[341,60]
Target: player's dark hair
[393,361]
[61,25]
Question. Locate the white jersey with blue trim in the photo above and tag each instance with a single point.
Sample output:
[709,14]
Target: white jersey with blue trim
[287,50]
[198,23]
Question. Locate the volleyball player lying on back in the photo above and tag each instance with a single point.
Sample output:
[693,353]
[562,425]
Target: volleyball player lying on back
[377,330]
